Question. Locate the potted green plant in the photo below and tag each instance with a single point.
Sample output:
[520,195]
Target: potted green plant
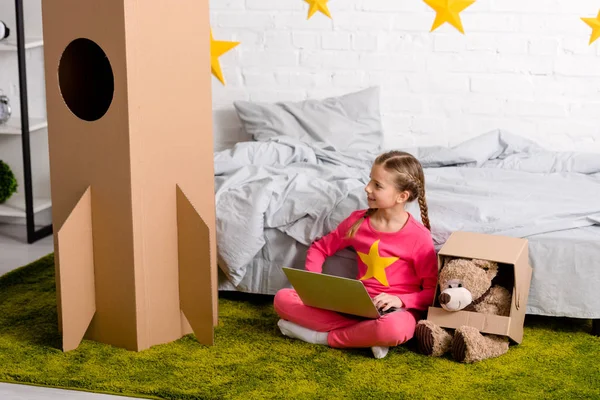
[8,182]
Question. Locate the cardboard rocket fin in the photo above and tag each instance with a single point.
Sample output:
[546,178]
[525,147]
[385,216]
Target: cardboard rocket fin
[77,286]
[195,275]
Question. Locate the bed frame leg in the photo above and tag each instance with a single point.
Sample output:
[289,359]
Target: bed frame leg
[596,327]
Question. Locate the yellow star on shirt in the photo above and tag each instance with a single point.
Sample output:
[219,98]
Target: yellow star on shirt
[448,11]
[594,23]
[376,264]
[317,5]
[217,49]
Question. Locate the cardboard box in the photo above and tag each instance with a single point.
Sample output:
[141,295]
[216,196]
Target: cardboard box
[129,105]
[512,256]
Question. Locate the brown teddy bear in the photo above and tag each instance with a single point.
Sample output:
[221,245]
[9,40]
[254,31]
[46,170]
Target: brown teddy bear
[466,285]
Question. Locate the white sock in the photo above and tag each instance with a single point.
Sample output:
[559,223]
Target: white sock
[380,351]
[299,332]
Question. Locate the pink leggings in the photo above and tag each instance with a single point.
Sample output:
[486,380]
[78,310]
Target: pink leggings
[345,331]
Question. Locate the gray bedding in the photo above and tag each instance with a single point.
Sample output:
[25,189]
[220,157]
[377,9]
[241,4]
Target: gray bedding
[496,183]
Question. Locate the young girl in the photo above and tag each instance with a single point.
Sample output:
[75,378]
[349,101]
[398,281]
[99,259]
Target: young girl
[396,259]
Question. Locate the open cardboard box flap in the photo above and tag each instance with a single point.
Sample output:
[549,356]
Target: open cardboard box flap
[503,250]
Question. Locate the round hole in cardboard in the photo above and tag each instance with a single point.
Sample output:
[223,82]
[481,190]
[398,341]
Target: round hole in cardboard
[86,79]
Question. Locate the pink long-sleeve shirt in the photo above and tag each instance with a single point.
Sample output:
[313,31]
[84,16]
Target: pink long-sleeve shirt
[402,263]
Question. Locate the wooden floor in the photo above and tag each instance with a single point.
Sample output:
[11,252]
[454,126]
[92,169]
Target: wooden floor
[14,253]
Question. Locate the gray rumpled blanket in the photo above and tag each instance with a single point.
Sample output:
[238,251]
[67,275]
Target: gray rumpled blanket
[496,183]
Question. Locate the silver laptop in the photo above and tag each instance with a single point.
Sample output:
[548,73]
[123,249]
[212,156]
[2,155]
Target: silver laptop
[334,293]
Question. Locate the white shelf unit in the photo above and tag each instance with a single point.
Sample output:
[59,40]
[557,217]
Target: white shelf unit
[13,126]
[10,44]
[15,206]
[23,43]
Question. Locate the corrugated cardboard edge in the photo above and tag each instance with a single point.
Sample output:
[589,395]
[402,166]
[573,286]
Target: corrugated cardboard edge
[195,271]
[501,249]
[520,295]
[77,284]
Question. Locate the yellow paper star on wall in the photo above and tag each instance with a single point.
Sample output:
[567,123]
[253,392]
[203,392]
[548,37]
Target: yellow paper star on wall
[448,11]
[594,23]
[376,264]
[318,5]
[217,49]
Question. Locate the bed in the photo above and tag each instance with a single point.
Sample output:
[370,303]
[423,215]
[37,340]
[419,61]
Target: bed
[307,166]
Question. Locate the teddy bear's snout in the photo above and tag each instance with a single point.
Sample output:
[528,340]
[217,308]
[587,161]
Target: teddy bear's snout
[455,298]
[445,298]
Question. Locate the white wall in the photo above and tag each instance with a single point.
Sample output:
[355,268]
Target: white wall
[523,65]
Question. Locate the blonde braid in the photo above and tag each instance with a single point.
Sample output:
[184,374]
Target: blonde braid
[423,204]
[420,195]
[356,225]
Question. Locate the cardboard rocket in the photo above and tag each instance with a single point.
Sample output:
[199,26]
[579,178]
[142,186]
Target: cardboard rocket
[128,88]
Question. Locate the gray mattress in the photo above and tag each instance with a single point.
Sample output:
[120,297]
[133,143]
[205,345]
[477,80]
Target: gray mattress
[566,270]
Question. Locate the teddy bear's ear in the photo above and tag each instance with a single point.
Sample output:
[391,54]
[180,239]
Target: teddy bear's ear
[489,266]
[483,264]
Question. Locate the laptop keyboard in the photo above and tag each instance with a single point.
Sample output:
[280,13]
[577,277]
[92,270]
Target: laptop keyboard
[388,311]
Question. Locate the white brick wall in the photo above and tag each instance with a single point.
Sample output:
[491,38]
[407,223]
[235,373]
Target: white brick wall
[523,65]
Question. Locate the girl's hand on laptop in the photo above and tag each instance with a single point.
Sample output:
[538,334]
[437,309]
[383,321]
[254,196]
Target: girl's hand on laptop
[384,301]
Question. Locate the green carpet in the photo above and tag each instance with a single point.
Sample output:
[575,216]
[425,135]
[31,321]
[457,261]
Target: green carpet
[252,360]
